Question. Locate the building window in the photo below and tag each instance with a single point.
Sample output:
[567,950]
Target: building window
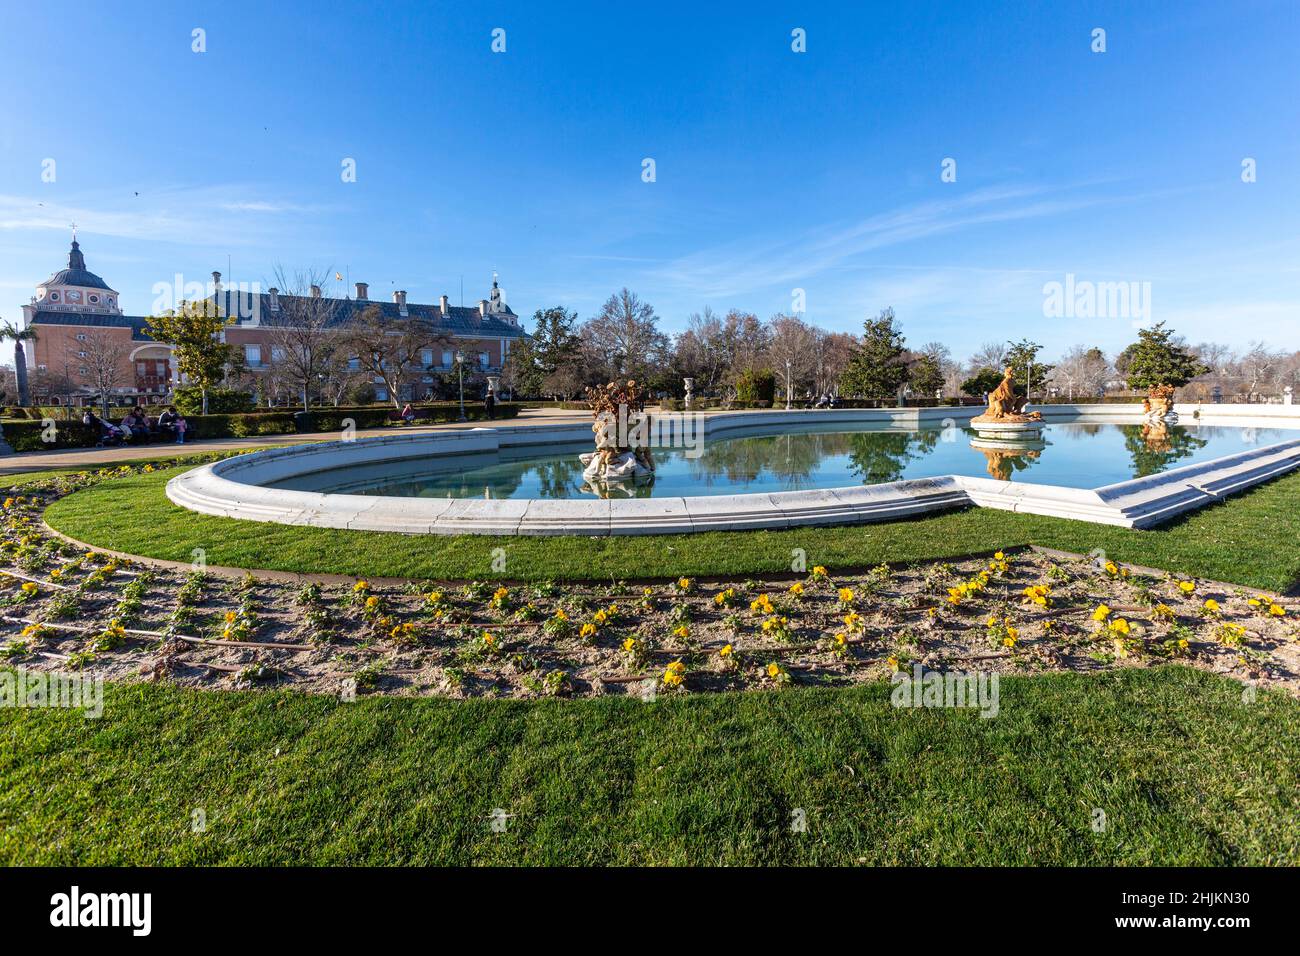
[354,364]
[483,359]
[447,358]
[426,357]
[253,354]
[81,336]
[81,355]
[277,355]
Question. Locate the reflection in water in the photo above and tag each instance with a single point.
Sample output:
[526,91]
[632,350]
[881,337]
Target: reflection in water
[1002,461]
[1079,455]
[880,458]
[1155,446]
[614,488]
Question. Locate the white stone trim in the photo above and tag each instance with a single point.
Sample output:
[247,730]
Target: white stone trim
[232,487]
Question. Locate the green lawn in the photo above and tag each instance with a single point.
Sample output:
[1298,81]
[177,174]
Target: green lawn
[1185,771]
[1249,539]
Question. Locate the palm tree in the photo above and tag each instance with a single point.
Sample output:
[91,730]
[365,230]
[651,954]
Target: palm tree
[18,335]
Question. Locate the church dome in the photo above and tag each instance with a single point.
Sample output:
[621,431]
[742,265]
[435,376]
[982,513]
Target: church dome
[76,287]
[76,274]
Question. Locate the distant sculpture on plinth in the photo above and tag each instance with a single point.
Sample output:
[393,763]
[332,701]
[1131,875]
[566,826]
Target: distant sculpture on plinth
[1159,405]
[1005,419]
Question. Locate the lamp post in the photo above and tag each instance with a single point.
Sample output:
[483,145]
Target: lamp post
[460,373]
[787,385]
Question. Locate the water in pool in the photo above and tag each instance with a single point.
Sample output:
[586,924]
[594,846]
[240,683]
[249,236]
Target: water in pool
[1073,454]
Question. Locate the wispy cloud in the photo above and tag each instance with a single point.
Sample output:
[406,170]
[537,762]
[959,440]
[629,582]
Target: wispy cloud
[740,267]
[185,216]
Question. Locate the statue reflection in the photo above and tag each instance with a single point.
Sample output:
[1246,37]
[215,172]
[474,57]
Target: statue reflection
[1155,435]
[619,489]
[1003,459]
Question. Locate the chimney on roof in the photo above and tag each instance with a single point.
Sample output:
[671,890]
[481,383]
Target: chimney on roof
[442,306]
[363,291]
[400,299]
[216,283]
[315,292]
[274,295]
[482,308]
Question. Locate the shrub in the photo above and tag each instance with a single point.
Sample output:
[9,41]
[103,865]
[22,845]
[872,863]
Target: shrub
[28,436]
[221,401]
[756,386]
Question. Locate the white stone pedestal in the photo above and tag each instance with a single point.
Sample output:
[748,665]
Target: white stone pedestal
[1009,430]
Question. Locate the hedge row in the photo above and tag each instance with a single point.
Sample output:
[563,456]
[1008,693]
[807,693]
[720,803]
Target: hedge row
[713,404]
[33,436]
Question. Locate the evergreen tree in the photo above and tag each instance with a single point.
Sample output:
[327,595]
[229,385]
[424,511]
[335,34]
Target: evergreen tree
[877,368]
[1156,359]
[1030,374]
[982,382]
[925,376]
[553,348]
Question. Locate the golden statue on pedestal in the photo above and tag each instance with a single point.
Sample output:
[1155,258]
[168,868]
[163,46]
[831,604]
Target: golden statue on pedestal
[1005,405]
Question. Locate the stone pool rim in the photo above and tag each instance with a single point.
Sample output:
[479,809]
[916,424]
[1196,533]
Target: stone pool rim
[233,487]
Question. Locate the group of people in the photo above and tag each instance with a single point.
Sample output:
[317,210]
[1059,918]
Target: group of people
[136,428]
[408,415]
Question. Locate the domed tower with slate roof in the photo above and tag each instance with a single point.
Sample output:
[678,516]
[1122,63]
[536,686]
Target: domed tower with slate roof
[76,288]
[75,318]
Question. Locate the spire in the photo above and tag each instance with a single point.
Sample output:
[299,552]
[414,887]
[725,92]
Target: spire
[75,259]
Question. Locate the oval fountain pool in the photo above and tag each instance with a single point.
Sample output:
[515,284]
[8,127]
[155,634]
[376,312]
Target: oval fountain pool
[752,470]
[757,459]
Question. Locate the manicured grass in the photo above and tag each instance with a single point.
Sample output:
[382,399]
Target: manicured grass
[1249,539]
[1185,771]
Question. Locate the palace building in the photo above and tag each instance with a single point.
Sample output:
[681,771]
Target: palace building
[77,320]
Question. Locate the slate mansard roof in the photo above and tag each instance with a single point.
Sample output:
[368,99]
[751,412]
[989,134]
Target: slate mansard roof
[460,320]
[95,320]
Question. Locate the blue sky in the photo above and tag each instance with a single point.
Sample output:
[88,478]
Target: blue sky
[775,170]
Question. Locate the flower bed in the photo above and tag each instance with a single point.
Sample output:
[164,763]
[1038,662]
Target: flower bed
[64,607]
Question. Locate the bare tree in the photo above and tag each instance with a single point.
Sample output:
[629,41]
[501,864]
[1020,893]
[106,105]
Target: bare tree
[389,348]
[1257,367]
[990,355]
[623,340]
[98,359]
[791,352]
[1083,370]
[338,374]
[832,351]
[301,331]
